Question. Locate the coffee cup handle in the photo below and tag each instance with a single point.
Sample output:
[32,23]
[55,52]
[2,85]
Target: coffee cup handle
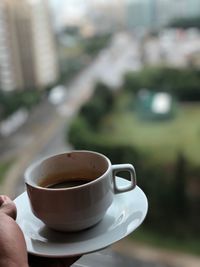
[125,168]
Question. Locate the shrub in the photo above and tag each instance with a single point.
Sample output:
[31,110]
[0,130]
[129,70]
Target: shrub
[182,83]
[98,106]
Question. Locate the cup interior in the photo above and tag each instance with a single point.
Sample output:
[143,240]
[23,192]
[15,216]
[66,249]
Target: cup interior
[84,165]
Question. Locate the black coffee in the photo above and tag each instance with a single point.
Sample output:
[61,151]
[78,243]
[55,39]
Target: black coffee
[67,184]
[49,183]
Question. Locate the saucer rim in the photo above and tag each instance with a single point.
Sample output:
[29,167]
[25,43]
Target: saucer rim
[108,244]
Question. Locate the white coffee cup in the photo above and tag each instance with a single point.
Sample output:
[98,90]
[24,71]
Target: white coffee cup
[81,206]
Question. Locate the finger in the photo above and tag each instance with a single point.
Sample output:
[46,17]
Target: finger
[5,199]
[7,206]
[1,200]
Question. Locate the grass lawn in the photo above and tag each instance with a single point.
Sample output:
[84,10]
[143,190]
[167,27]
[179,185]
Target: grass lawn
[4,167]
[162,140]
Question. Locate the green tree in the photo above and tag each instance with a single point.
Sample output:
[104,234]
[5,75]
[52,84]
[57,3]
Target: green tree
[182,83]
[185,23]
[99,105]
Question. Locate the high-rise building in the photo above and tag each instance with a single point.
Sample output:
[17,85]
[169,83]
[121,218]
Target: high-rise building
[139,13]
[168,10]
[107,15]
[44,46]
[10,73]
[27,47]
[193,8]
[158,13]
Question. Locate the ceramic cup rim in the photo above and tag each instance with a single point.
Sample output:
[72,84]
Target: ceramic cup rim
[33,166]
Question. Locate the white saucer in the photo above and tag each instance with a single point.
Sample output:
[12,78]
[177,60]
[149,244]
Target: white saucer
[125,214]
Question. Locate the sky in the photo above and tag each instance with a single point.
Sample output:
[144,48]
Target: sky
[74,9]
[69,9]
[65,3]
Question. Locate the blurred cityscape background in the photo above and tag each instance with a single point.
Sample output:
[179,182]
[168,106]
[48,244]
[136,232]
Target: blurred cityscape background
[121,77]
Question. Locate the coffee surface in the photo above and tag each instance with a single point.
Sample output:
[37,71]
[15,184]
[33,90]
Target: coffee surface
[68,184]
[64,183]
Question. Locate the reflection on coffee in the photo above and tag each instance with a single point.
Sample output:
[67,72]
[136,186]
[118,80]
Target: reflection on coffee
[64,183]
[67,184]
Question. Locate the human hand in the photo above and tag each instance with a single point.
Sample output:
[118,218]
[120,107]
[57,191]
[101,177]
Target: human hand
[13,250]
[7,207]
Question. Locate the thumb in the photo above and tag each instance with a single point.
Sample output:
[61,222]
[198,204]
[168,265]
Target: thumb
[7,206]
